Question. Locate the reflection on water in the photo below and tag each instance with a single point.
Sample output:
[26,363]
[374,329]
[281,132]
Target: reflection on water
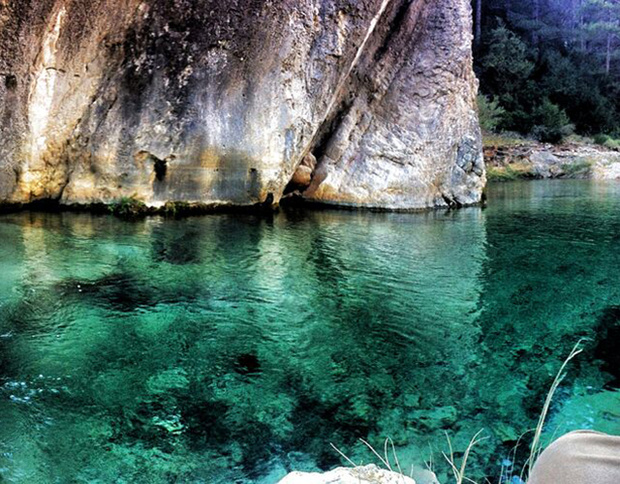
[233,348]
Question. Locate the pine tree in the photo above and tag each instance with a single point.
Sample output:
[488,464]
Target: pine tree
[602,29]
[535,54]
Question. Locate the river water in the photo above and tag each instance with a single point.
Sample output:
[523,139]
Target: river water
[235,348]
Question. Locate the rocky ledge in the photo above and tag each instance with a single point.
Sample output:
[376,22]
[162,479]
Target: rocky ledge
[349,102]
[533,160]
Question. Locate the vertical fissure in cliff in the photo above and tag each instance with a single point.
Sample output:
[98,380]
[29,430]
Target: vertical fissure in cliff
[331,120]
[365,77]
[394,27]
[301,179]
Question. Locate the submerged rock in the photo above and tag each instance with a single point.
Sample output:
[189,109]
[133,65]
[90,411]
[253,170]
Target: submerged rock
[220,102]
[369,474]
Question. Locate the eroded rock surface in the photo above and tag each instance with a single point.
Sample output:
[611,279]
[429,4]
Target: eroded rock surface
[221,102]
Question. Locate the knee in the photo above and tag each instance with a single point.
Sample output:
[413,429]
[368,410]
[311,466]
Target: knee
[570,443]
[576,458]
[556,463]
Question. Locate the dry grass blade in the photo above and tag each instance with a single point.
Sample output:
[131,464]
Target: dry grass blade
[342,455]
[430,465]
[475,440]
[455,471]
[513,458]
[451,458]
[400,471]
[383,461]
[459,474]
[501,474]
[536,446]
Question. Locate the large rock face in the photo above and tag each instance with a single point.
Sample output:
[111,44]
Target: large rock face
[361,102]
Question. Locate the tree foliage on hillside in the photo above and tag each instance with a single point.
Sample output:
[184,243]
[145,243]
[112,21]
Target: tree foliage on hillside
[550,65]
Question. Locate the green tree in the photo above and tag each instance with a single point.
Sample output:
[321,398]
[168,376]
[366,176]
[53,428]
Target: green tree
[552,123]
[533,54]
[602,29]
[506,65]
[490,113]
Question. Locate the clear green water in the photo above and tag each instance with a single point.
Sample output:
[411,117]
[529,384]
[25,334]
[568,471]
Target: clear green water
[234,348]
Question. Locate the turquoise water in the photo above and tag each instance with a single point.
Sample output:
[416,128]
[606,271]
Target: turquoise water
[234,348]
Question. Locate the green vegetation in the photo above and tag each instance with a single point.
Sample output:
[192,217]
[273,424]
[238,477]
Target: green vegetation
[607,142]
[490,113]
[523,170]
[505,139]
[174,209]
[613,144]
[579,168]
[549,67]
[601,139]
[129,207]
[513,171]
[551,123]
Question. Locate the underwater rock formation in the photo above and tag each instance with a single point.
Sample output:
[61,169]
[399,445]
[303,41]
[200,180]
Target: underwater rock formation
[351,102]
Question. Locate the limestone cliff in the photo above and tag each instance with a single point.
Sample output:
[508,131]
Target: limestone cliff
[353,102]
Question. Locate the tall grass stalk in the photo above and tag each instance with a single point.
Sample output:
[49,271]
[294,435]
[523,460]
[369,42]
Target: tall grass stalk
[342,454]
[459,474]
[536,448]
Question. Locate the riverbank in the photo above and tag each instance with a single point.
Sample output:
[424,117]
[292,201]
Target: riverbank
[511,158]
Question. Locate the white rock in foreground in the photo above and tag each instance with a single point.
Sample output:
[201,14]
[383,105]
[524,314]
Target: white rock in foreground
[369,474]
